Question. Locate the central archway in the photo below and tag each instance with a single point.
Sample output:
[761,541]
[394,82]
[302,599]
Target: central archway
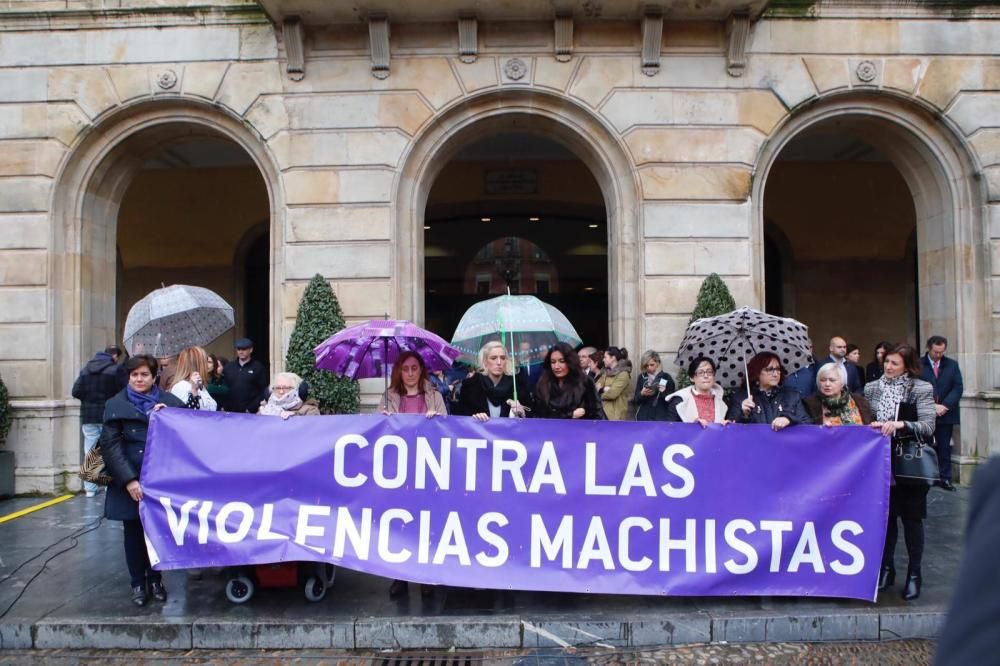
[533,113]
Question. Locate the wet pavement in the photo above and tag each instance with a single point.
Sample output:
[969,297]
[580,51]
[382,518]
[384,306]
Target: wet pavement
[63,585]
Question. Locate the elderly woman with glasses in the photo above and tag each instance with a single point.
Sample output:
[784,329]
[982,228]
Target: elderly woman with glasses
[285,400]
[834,405]
[768,401]
[702,401]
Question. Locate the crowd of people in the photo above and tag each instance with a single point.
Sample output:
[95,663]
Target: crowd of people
[900,393]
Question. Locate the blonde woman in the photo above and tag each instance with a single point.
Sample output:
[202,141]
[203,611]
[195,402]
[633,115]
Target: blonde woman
[188,380]
[286,400]
[489,393]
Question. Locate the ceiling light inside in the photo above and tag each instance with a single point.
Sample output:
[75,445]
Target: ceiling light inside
[486,219]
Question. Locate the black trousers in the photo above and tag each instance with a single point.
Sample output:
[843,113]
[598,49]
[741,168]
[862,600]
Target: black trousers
[136,555]
[908,505]
[942,443]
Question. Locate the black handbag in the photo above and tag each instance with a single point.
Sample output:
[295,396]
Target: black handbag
[914,461]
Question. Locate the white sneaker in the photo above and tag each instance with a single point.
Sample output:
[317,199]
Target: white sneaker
[91,493]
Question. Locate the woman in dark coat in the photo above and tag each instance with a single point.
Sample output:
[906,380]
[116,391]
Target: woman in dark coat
[874,369]
[489,393]
[652,385]
[769,402]
[563,391]
[903,405]
[833,404]
[123,443]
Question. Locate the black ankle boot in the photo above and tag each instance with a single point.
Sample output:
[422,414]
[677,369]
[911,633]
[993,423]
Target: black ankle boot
[887,577]
[139,595]
[911,590]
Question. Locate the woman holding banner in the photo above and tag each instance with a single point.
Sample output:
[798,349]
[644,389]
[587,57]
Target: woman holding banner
[702,401]
[903,405]
[410,390]
[490,393]
[123,443]
[563,391]
[769,401]
[834,405]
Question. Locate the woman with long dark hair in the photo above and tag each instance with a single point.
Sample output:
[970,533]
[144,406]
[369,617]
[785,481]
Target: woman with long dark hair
[874,369]
[563,391]
[123,445]
[903,406]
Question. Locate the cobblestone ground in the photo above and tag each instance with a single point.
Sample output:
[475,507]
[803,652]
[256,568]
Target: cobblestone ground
[903,652]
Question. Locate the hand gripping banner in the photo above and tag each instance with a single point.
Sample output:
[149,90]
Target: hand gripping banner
[570,506]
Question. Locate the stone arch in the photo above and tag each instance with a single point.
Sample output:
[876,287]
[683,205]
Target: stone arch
[534,112]
[943,178]
[89,188]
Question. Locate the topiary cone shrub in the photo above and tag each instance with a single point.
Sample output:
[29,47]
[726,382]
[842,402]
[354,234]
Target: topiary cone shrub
[714,299]
[5,417]
[319,316]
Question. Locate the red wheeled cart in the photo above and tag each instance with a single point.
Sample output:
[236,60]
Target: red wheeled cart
[313,578]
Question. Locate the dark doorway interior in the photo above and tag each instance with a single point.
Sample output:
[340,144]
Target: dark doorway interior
[257,296]
[519,211]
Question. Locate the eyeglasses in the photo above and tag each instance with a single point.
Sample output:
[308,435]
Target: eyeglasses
[772,370]
[705,373]
[282,388]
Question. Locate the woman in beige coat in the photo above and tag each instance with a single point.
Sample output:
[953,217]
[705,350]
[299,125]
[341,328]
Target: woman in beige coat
[613,386]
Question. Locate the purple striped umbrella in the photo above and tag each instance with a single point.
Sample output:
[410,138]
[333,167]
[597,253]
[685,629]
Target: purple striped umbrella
[370,349]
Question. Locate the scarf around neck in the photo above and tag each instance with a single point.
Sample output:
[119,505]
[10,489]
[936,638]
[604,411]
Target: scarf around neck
[498,394]
[836,405]
[144,402]
[893,392]
[286,403]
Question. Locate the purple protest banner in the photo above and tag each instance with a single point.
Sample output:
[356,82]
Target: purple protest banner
[611,507]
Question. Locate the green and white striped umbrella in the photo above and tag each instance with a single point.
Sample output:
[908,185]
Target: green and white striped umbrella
[513,320]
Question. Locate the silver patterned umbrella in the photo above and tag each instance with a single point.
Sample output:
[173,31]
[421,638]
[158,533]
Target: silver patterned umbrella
[734,338]
[168,320]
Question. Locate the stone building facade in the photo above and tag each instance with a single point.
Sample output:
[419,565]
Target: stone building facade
[837,161]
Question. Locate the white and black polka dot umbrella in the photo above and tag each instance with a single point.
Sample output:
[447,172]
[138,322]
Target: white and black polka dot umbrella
[168,320]
[732,339]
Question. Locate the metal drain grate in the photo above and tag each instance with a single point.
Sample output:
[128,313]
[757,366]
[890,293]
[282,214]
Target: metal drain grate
[429,659]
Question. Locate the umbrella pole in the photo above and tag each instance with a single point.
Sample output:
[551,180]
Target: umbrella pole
[512,356]
[746,376]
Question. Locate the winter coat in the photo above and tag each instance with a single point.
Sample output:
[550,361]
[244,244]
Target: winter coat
[96,384]
[308,408]
[613,388]
[432,398]
[814,407]
[652,407]
[123,444]
[786,402]
[247,385]
[560,406]
[681,405]
[473,398]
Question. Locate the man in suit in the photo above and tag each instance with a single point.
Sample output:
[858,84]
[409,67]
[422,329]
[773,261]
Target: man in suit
[803,380]
[247,379]
[945,376]
[838,355]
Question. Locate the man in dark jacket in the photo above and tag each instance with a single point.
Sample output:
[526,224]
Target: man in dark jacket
[945,376]
[247,379]
[96,383]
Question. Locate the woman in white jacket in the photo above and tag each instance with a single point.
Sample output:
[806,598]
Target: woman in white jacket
[188,382]
[702,402]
